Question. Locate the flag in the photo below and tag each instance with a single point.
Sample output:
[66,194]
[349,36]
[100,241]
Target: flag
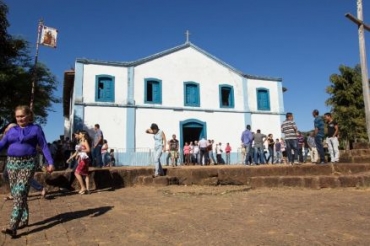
[49,36]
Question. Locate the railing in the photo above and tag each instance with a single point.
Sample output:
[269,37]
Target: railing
[145,157]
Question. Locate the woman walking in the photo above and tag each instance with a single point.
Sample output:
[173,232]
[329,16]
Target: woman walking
[21,141]
[159,146]
[82,154]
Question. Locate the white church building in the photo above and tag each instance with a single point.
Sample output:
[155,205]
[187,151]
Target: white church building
[185,90]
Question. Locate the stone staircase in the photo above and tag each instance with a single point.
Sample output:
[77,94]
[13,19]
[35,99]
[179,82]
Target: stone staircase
[302,176]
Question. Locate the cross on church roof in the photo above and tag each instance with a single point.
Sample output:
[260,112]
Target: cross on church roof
[187,33]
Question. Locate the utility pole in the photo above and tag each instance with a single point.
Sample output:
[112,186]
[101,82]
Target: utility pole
[364,72]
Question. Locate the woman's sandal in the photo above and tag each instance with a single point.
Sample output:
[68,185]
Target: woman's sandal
[43,193]
[8,198]
[12,233]
[84,192]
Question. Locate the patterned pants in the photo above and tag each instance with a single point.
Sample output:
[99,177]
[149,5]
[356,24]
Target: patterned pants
[20,171]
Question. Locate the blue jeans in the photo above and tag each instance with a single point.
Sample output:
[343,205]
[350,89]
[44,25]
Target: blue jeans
[300,154]
[96,153]
[211,156]
[320,148]
[259,152]
[248,153]
[291,144]
[228,158]
[271,155]
[106,158]
[279,156]
[157,161]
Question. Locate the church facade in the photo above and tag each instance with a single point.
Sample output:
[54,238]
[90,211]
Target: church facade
[185,90]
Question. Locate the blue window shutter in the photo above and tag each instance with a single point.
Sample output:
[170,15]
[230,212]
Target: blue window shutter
[263,102]
[196,95]
[108,90]
[156,92]
[191,94]
[104,88]
[153,91]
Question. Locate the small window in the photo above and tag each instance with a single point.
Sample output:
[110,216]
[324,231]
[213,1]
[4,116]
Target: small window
[263,99]
[104,90]
[226,96]
[191,94]
[153,91]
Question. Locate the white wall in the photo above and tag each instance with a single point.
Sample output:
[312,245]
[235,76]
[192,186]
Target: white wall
[267,124]
[112,121]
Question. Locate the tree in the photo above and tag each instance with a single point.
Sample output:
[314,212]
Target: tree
[347,104]
[16,71]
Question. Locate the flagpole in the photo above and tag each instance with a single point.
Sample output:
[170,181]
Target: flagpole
[34,72]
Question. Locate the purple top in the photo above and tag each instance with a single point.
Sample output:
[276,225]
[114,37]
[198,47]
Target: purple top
[23,141]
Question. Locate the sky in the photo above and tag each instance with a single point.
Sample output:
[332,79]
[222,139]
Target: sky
[303,42]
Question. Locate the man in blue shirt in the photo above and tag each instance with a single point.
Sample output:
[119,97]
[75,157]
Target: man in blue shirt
[319,134]
[247,139]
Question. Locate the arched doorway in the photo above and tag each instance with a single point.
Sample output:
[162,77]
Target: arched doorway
[192,130]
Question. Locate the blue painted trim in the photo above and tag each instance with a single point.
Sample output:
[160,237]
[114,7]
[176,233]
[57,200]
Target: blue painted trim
[280,97]
[248,119]
[130,128]
[245,94]
[130,86]
[156,95]
[196,96]
[247,114]
[78,83]
[231,95]
[108,79]
[260,107]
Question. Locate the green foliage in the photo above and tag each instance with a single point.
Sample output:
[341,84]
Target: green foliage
[347,104]
[16,75]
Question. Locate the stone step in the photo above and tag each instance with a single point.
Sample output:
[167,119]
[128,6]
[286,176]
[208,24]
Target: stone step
[157,181]
[312,182]
[305,176]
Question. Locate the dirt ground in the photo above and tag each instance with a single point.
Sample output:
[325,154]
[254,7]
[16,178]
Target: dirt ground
[198,215]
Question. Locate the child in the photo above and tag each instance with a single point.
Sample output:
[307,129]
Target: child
[112,162]
[278,151]
[270,147]
[187,153]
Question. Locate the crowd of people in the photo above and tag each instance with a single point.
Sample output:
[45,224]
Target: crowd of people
[256,147]
[294,147]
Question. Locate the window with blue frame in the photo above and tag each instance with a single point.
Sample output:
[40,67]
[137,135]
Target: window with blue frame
[153,91]
[226,96]
[263,99]
[104,88]
[191,94]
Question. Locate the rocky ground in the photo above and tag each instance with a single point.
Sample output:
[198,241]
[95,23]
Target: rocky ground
[197,215]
